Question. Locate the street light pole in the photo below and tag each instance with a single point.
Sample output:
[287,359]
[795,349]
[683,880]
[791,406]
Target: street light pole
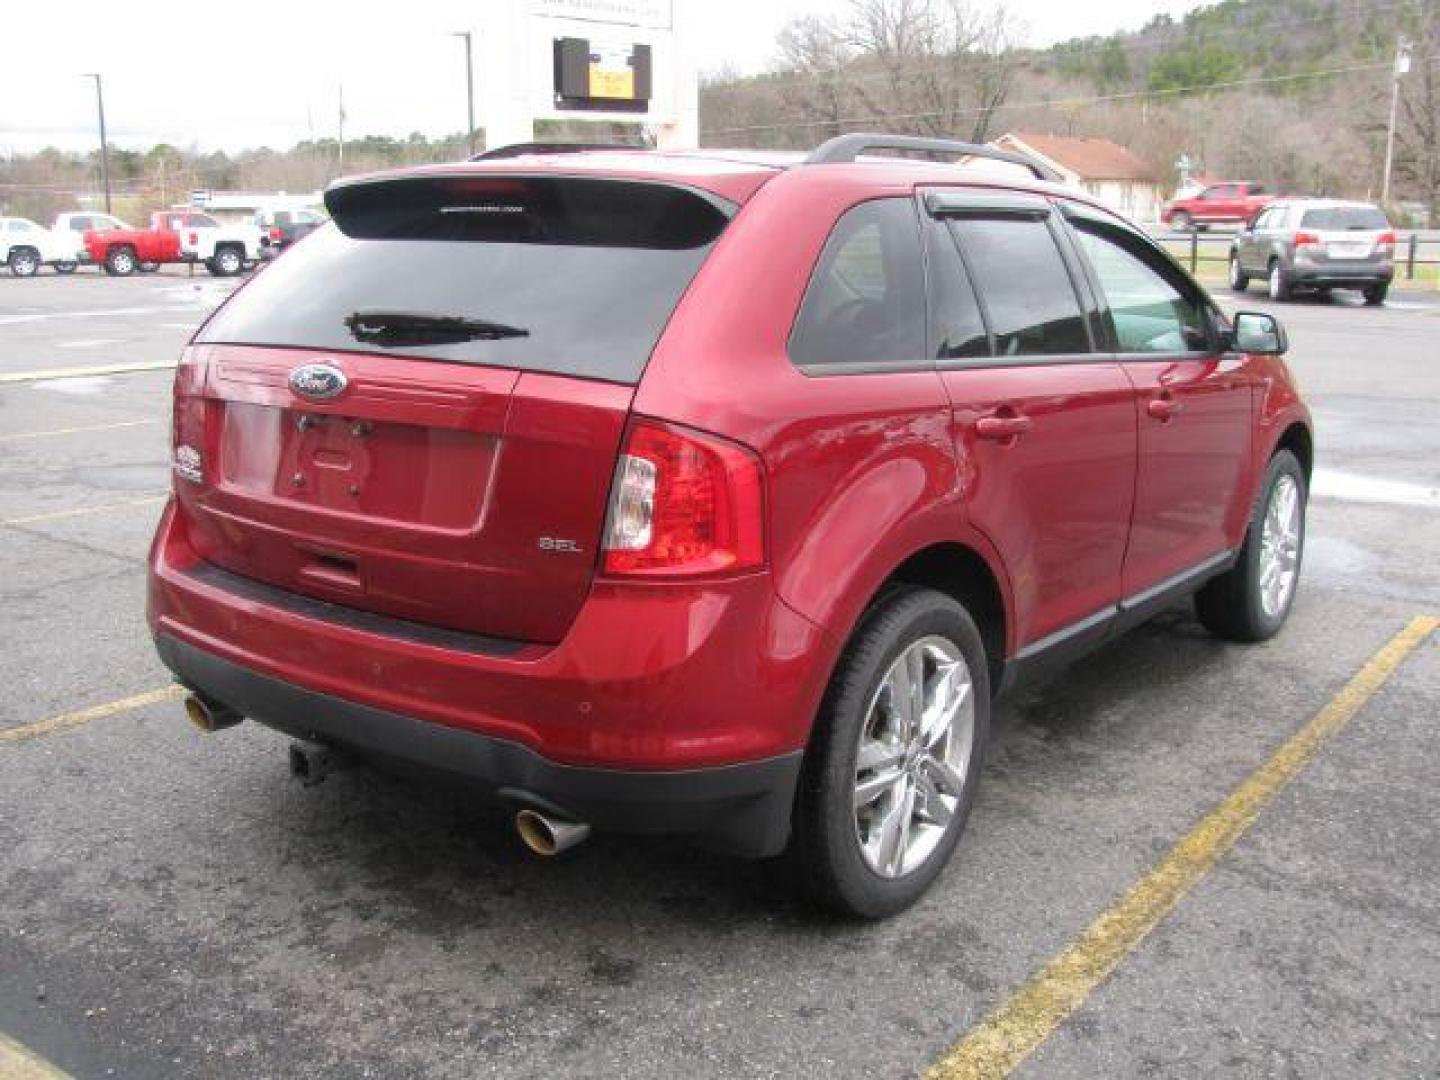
[469,91]
[1402,65]
[104,143]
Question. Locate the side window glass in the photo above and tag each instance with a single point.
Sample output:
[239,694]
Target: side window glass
[866,300]
[1027,291]
[1150,310]
[956,328]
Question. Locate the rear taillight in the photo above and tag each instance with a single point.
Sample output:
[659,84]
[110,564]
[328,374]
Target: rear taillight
[682,504]
[189,434]
[277,234]
[1386,242]
[1306,239]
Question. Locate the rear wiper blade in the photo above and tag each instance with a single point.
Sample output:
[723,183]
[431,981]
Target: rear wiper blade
[421,328]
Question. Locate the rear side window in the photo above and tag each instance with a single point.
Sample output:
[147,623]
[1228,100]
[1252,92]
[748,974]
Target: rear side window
[865,305]
[1023,282]
[1345,218]
[587,270]
[957,330]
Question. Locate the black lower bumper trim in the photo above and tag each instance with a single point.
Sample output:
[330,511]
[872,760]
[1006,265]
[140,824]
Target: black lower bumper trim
[743,809]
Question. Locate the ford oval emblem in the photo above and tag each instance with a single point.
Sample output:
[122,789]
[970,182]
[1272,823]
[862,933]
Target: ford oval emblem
[318,382]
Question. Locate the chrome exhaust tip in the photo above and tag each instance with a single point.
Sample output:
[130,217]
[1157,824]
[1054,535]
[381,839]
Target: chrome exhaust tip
[210,716]
[547,836]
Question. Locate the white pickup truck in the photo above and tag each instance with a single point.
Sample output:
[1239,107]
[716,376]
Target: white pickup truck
[25,247]
[72,226]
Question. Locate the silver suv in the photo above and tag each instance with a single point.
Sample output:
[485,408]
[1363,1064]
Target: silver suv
[1319,244]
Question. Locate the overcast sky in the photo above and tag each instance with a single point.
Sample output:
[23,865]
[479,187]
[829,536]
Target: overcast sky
[265,72]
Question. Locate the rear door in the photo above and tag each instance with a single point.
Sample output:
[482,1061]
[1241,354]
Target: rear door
[418,411]
[1043,426]
[1194,404]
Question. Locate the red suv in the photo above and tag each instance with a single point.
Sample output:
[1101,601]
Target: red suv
[710,492]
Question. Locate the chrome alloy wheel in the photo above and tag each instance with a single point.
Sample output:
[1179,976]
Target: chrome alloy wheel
[916,747]
[1280,539]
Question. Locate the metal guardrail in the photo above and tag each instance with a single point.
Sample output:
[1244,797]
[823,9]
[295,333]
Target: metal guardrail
[1411,249]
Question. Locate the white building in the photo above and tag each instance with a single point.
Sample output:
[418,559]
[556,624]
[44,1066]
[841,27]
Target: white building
[1104,169]
[235,207]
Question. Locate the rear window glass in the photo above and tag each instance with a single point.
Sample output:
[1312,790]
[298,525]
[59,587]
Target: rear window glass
[1359,218]
[589,269]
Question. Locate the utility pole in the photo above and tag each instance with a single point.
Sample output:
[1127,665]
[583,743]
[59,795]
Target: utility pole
[469,91]
[1402,65]
[341,129]
[104,143]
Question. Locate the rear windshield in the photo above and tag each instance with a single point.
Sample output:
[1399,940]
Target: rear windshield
[589,269]
[1344,217]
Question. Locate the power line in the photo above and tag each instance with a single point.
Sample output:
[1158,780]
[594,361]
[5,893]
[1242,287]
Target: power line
[1054,103]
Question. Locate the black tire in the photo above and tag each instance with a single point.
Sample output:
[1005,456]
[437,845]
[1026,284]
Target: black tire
[66,266]
[121,261]
[1278,281]
[825,852]
[227,262]
[1375,294]
[24,262]
[1230,605]
[1239,280]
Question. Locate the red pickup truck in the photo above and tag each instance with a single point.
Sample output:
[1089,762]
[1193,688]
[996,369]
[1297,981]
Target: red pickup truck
[1219,203]
[174,236]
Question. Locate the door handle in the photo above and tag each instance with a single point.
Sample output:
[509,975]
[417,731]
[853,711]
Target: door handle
[1164,407]
[1002,426]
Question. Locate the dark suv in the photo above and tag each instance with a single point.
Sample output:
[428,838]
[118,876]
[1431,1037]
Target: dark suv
[713,493]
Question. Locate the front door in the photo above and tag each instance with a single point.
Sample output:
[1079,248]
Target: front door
[1194,405]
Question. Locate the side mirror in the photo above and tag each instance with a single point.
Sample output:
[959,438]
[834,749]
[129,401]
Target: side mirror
[1256,332]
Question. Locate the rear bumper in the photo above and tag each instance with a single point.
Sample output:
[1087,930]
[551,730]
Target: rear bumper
[651,680]
[1343,274]
[744,809]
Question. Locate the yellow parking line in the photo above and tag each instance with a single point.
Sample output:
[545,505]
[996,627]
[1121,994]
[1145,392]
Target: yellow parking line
[19,435]
[1011,1033]
[84,372]
[36,728]
[18,1063]
[56,515]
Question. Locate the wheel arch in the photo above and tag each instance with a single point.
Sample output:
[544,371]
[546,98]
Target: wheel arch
[1299,441]
[962,573]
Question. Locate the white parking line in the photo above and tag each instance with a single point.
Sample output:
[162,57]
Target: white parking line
[84,372]
[15,320]
[87,343]
[17,436]
[1352,487]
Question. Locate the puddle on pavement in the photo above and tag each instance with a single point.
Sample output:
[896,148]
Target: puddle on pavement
[124,477]
[79,385]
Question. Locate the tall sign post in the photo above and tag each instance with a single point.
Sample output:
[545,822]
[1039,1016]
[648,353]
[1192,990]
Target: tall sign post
[609,60]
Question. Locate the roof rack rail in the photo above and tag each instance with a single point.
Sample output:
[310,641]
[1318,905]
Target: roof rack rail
[519,149]
[844,148]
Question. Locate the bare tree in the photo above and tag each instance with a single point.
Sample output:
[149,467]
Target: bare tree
[947,66]
[817,54]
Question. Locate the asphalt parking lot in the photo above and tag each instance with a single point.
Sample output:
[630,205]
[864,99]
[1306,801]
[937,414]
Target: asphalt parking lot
[176,905]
